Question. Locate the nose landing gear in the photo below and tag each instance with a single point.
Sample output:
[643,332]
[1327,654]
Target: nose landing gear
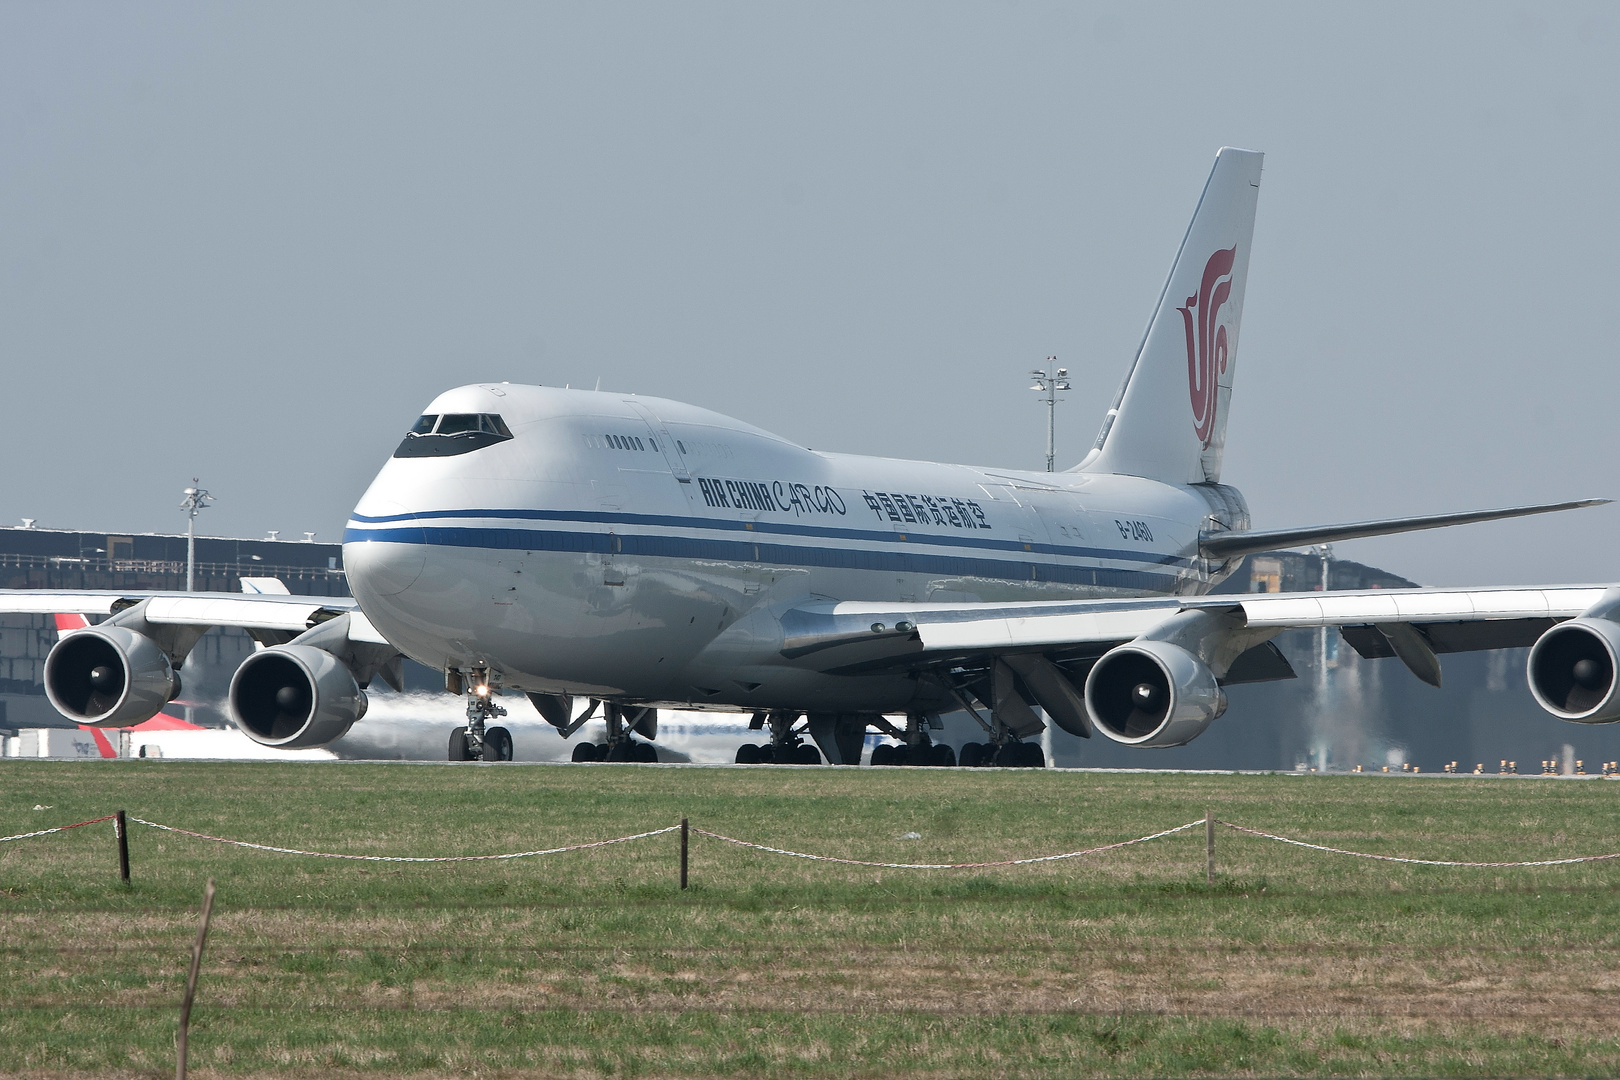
[476,741]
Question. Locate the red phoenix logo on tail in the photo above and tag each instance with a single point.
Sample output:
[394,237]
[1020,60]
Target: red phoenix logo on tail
[1206,339]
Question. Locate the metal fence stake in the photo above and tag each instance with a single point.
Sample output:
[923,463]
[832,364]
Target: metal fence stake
[683,853]
[121,829]
[191,981]
[1209,847]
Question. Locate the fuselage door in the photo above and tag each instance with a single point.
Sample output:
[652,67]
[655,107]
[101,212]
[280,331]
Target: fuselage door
[665,441]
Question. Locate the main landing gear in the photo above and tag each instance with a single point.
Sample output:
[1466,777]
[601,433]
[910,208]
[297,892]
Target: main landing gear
[1008,755]
[477,741]
[622,722]
[787,746]
[916,747]
[1011,721]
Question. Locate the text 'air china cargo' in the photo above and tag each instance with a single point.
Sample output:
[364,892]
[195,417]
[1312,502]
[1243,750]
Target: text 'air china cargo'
[606,555]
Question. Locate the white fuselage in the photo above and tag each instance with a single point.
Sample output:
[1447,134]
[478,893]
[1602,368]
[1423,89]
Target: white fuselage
[634,548]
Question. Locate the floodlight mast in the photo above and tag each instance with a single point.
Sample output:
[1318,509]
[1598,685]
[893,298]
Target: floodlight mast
[196,501]
[1051,381]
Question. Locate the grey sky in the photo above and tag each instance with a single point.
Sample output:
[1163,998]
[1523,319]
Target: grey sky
[249,242]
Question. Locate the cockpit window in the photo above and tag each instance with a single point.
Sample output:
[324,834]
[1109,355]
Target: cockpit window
[452,433]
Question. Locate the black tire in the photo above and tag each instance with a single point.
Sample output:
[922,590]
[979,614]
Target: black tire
[748,754]
[1007,756]
[1034,757]
[458,745]
[807,754]
[883,754]
[972,754]
[944,756]
[767,754]
[646,754]
[497,744]
[585,751]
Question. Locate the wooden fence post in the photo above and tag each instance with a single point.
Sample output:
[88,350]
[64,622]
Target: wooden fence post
[683,853]
[191,981]
[1209,847]
[121,829]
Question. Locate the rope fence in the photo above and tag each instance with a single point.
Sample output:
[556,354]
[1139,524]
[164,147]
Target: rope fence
[57,829]
[1414,862]
[1209,821]
[948,866]
[406,858]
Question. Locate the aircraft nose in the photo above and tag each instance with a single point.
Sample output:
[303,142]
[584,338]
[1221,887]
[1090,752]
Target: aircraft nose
[383,552]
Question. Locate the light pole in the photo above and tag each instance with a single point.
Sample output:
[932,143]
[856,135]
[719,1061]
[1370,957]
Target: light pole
[1323,684]
[1050,381]
[196,500]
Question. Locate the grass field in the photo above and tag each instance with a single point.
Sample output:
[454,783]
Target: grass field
[595,964]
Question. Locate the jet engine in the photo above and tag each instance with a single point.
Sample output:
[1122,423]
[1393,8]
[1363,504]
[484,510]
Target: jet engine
[1572,670]
[295,697]
[1152,693]
[109,676]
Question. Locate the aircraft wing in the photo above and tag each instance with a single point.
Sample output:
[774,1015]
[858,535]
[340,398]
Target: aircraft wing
[1149,672]
[267,613]
[850,637]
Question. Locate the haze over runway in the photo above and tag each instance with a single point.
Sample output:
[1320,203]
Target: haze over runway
[250,243]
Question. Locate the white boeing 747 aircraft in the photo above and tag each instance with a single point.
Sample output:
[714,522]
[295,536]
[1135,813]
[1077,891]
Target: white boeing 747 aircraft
[607,551]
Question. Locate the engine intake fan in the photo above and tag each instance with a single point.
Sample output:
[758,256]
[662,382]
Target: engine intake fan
[109,676]
[1572,670]
[295,697]
[1152,693]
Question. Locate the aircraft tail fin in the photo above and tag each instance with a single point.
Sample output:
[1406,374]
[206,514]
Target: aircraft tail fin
[1168,421]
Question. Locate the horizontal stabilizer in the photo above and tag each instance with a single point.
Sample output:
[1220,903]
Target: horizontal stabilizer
[1232,545]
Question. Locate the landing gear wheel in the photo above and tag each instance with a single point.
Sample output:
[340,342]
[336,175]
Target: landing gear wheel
[972,754]
[646,754]
[585,752]
[944,756]
[807,755]
[883,754]
[1034,757]
[458,745]
[748,754]
[497,744]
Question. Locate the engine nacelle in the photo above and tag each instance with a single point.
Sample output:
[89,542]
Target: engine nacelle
[109,676]
[1152,693]
[1572,670]
[295,697]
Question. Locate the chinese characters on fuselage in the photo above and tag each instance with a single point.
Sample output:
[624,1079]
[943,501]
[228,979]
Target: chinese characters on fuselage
[926,509]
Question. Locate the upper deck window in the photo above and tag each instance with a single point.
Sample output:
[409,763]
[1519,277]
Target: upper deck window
[452,433]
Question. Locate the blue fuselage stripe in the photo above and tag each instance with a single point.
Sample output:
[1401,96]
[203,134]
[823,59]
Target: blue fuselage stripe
[691,547]
[820,532]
